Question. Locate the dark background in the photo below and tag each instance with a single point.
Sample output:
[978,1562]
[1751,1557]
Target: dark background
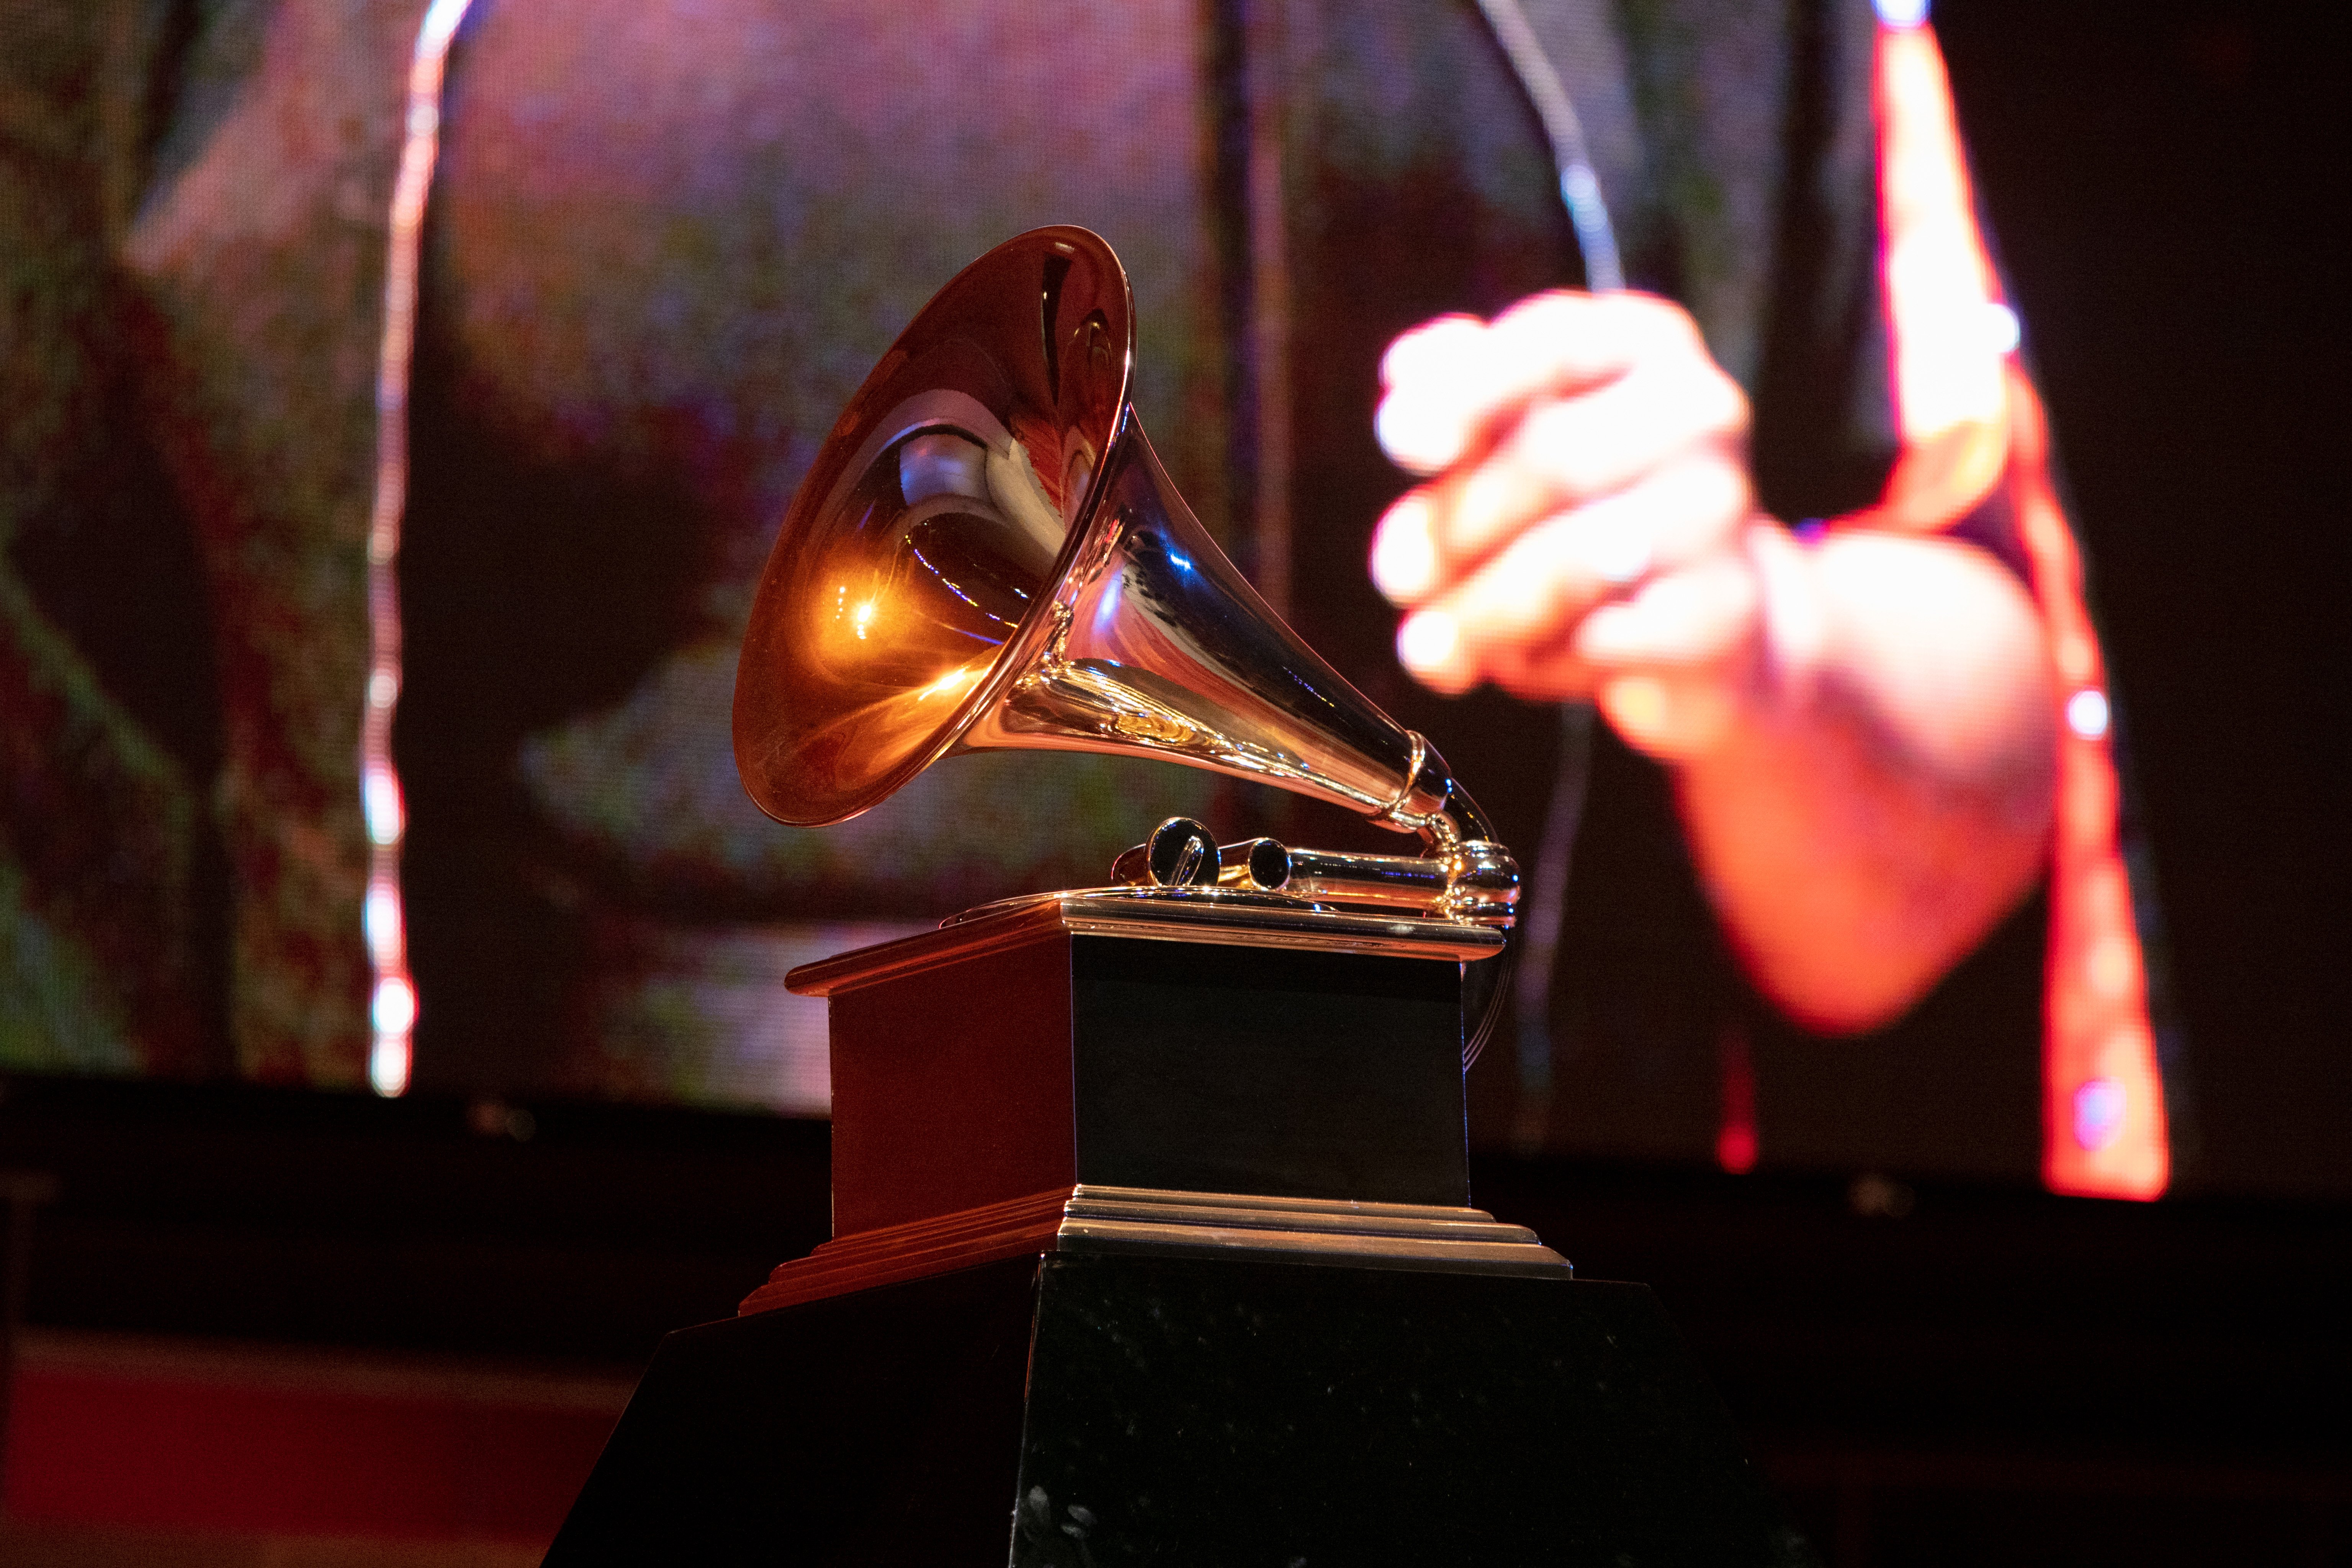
[1934,1374]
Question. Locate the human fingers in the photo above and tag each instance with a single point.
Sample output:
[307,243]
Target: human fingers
[1532,593]
[1428,378]
[1683,424]
[1670,666]
[1570,452]
[1554,674]
[1666,694]
[1450,383]
[1689,619]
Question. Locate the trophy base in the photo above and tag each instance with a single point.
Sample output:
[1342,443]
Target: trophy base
[1085,1218]
[1107,1408]
[1195,1044]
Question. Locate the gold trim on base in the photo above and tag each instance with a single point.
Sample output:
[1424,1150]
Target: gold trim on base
[1087,1219]
[1213,915]
[1101,1218]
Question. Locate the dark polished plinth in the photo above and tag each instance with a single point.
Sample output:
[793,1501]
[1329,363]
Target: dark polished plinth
[1100,1410]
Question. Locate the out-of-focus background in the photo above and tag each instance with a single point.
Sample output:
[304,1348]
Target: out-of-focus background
[259,1315]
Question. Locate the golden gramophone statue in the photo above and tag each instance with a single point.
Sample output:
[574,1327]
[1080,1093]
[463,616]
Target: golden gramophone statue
[1151,1236]
[987,554]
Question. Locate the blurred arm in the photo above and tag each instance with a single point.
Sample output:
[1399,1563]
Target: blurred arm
[1859,731]
[1879,794]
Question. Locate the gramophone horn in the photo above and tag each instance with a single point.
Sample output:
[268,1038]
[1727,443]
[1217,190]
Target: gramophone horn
[988,554]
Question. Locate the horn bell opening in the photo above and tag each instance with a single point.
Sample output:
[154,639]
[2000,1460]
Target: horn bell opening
[920,553]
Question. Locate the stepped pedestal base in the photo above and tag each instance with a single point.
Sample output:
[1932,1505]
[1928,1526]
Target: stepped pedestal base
[1101,1409]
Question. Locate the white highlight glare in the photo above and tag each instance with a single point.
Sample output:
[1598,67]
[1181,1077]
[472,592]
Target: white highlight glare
[380,796]
[1418,433]
[1435,349]
[382,917]
[2087,713]
[1902,13]
[1436,377]
[954,683]
[395,1012]
[1428,641]
[2003,330]
[394,1006]
[1404,558]
[2098,1113]
[388,1063]
[1621,556]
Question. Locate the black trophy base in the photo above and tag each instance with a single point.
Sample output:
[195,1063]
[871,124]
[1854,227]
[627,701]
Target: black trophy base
[1108,1409]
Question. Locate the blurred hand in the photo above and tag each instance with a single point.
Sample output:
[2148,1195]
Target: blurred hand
[1583,532]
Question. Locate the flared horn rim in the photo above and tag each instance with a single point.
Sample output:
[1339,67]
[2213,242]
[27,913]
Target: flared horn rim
[1034,341]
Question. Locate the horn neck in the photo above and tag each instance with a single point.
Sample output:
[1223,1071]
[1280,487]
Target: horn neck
[1154,642]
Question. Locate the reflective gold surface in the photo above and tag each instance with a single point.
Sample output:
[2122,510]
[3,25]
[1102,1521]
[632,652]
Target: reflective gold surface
[1096,1219]
[927,535]
[987,554]
[1088,1218]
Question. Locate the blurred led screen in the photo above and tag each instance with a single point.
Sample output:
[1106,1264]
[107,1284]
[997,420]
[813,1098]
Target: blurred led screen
[662,245]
